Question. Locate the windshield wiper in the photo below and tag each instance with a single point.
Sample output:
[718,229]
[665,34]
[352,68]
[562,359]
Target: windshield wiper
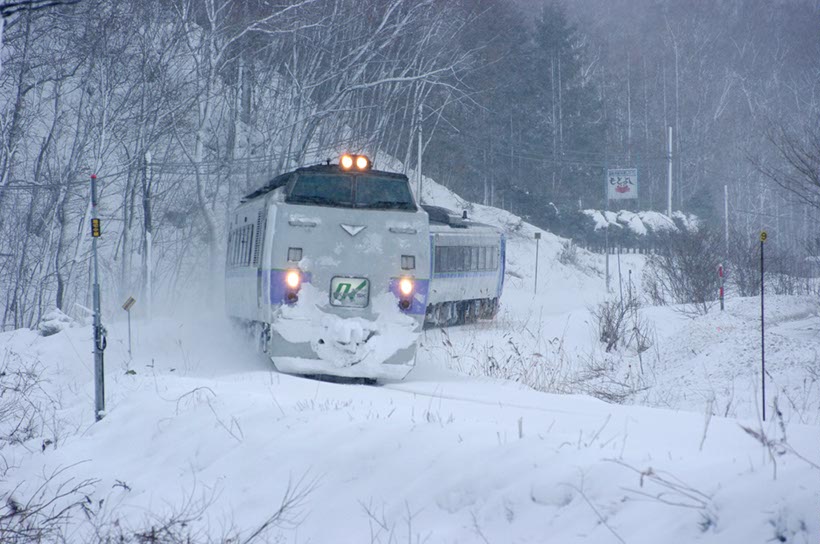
[308,199]
[386,204]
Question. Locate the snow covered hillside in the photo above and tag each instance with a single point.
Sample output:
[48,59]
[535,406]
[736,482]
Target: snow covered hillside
[499,434]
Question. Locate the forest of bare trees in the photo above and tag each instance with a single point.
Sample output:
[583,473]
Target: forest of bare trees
[182,106]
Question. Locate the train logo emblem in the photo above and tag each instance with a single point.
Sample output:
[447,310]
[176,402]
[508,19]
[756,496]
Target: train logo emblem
[344,289]
[353,230]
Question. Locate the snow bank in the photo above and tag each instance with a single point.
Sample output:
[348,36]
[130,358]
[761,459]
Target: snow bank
[53,322]
[643,222]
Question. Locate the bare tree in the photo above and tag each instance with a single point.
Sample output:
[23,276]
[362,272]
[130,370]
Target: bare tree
[799,169]
[684,270]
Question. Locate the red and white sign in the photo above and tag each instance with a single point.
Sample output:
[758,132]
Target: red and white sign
[622,183]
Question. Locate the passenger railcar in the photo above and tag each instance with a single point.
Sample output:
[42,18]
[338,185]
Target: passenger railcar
[467,274]
[329,267]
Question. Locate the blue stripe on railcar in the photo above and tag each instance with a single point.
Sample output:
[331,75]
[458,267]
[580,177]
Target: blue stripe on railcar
[278,286]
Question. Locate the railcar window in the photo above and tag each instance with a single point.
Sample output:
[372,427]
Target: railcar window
[257,246]
[466,258]
[246,261]
[243,245]
[240,246]
[235,248]
[449,259]
[322,189]
[383,193]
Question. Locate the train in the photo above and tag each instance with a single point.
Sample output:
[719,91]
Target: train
[335,269]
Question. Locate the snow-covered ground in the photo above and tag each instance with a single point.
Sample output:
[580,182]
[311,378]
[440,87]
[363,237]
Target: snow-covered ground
[197,419]
[496,436]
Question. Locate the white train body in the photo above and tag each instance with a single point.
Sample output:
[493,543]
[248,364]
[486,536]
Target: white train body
[335,271]
[348,316]
[467,269]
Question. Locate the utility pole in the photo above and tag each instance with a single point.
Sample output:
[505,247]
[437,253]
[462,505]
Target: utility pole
[726,216]
[99,330]
[669,174]
[418,163]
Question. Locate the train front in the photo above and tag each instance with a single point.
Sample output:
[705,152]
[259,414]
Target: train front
[350,269]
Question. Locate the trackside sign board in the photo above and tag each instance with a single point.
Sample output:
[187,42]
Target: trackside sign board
[622,183]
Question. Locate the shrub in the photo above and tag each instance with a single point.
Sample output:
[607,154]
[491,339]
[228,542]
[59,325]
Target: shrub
[569,253]
[684,270]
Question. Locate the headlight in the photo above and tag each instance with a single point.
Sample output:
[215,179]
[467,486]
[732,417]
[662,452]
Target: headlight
[346,161]
[362,162]
[293,279]
[406,286]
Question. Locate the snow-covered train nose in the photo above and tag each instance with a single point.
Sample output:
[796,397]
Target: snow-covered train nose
[343,341]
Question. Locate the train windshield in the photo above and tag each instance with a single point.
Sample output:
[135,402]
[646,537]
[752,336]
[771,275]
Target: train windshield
[324,190]
[348,191]
[383,193]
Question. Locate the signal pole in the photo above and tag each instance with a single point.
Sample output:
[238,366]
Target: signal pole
[535,285]
[763,237]
[669,176]
[606,209]
[99,330]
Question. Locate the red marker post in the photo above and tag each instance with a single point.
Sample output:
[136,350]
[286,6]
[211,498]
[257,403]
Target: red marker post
[720,275]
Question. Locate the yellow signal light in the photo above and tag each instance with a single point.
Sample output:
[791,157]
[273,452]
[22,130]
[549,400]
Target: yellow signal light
[346,162]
